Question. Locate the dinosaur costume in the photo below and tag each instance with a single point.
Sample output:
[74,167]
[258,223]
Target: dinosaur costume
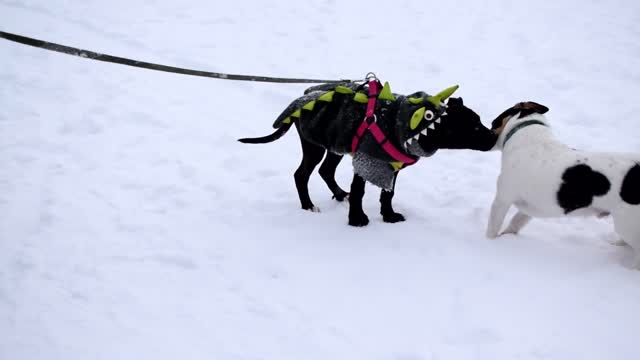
[329,115]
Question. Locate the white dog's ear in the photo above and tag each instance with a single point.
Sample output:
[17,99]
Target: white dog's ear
[529,107]
[497,127]
[499,121]
[521,109]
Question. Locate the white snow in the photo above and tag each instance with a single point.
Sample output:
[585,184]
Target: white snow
[134,226]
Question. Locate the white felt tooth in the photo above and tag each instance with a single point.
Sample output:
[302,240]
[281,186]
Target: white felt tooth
[438,120]
[416,137]
[409,141]
[424,132]
[444,113]
[432,127]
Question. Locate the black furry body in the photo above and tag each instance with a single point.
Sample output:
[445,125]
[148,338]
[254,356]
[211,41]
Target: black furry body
[327,118]
[333,125]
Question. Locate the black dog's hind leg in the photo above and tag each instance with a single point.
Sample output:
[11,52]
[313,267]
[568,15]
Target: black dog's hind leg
[311,156]
[386,210]
[357,217]
[328,174]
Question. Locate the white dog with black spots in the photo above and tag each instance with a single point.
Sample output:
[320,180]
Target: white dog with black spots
[543,177]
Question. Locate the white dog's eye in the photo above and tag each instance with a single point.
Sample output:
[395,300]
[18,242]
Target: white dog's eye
[428,115]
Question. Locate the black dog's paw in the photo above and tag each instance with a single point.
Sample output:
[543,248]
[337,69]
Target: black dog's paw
[393,218]
[358,219]
[341,196]
[311,208]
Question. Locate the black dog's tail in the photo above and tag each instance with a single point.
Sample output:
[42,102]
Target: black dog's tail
[269,138]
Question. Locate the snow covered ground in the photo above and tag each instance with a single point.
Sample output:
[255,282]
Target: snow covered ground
[134,226]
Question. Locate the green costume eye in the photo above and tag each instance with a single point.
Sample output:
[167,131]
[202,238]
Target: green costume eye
[416,118]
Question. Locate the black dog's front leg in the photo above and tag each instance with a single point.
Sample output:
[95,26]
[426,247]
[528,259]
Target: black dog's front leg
[357,217]
[386,210]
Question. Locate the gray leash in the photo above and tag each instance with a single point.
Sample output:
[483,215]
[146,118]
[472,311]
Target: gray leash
[87,54]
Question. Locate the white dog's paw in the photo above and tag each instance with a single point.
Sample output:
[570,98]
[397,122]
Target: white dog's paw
[315,209]
[492,234]
[509,231]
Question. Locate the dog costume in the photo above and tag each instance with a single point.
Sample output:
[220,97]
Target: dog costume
[329,115]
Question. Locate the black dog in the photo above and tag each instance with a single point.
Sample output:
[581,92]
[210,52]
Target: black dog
[328,117]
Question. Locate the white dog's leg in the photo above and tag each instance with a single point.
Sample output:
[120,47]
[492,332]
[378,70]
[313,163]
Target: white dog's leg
[518,221]
[634,243]
[499,210]
[625,221]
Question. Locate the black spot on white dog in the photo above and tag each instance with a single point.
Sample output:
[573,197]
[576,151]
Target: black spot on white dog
[630,191]
[580,184]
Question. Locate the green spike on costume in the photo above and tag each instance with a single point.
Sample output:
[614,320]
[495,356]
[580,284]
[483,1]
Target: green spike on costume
[296,114]
[415,101]
[386,94]
[416,118]
[397,165]
[309,106]
[434,100]
[287,121]
[343,90]
[328,96]
[361,98]
[442,95]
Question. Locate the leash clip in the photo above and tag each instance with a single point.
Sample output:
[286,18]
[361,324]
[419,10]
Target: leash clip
[370,76]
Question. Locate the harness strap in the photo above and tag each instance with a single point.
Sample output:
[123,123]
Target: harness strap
[370,115]
[359,133]
[373,97]
[369,123]
[388,146]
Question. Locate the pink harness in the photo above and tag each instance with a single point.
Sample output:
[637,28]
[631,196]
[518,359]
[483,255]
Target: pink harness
[369,123]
